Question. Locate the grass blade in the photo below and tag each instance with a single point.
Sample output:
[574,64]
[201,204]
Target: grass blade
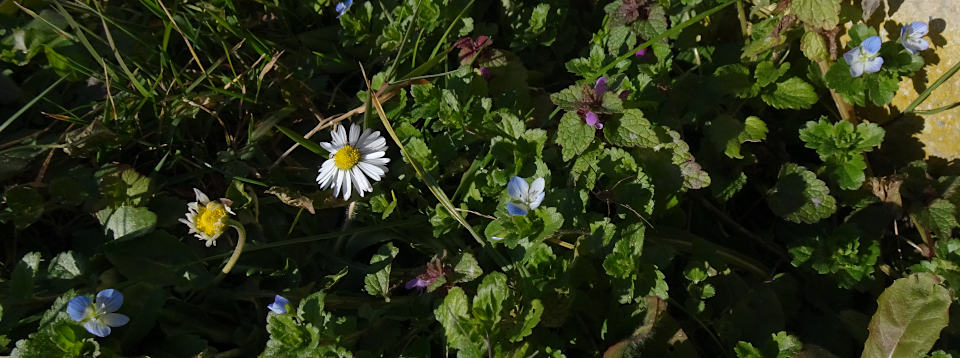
[28,105]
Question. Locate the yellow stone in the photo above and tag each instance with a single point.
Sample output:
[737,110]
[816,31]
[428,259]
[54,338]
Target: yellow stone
[941,132]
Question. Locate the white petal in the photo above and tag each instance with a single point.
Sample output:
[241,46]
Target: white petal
[372,171]
[328,147]
[375,145]
[377,154]
[339,136]
[378,161]
[201,197]
[362,183]
[348,182]
[337,183]
[354,134]
[363,137]
[536,187]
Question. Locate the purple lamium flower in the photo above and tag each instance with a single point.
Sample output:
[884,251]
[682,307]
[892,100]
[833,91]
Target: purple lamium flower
[434,271]
[525,196]
[417,283]
[485,73]
[279,305]
[98,316]
[342,7]
[911,37]
[600,87]
[593,119]
[864,58]
[641,52]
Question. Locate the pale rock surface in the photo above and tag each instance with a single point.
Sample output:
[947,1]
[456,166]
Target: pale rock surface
[941,132]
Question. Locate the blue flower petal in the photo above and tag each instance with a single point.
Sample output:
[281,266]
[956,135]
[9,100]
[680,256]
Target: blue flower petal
[109,300]
[115,319]
[917,28]
[517,188]
[77,307]
[871,45]
[873,65]
[279,305]
[515,209]
[97,328]
[342,7]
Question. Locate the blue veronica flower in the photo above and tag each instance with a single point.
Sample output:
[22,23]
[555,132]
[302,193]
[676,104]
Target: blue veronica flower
[864,58]
[911,37]
[279,305]
[343,6]
[98,316]
[525,196]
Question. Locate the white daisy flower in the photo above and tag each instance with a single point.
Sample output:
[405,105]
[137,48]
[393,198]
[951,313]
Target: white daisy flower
[353,158]
[207,219]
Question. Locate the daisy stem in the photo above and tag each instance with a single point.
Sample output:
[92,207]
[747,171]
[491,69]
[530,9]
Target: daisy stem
[242,233]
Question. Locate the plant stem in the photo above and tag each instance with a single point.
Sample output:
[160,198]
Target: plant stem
[242,233]
[926,93]
[743,20]
[844,108]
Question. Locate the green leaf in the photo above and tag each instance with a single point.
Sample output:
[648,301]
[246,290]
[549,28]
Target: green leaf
[910,315]
[848,174]
[311,309]
[853,90]
[747,350]
[458,328]
[26,205]
[881,88]
[622,261]
[726,133]
[787,345]
[860,32]
[378,284]
[127,221]
[793,93]
[800,197]
[306,143]
[824,14]
[813,46]
[573,135]
[766,73]
[468,268]
[530,317]
[491,294]
[66,266]
[940,217]
[842,147]
[24,274]
[630,130]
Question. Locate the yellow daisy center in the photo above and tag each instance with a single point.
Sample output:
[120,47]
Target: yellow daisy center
[346,157]
[209,218]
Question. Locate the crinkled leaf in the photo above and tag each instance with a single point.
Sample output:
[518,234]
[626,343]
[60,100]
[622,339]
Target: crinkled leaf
[813,46]
[800,197]
[824,14]
[573,135]
[910,315]
[794,93]
[766,72]
[630,130]
[127,221]
[25,204]
[940,217]
[490,298]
